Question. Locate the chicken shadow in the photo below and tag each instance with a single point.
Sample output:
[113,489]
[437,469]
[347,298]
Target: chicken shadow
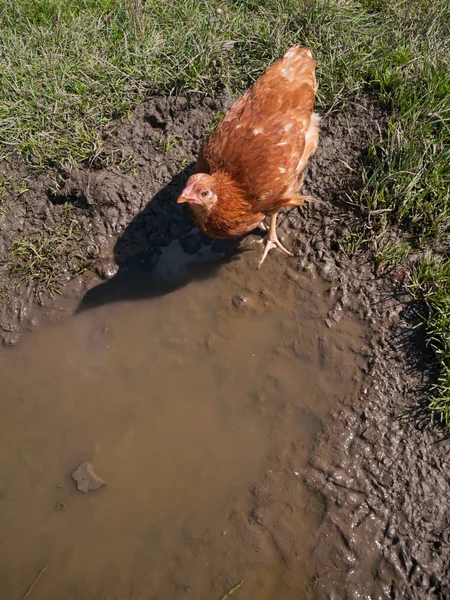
[160,251]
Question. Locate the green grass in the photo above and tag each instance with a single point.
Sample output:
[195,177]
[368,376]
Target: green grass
[169,144]
[49,255]
[68,68]
[431,283]
[233,590]
[11,188]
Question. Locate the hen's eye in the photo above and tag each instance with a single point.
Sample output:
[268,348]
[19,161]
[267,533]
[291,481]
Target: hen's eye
[204,194]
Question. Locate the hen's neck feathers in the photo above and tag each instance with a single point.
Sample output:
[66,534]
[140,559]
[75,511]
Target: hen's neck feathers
[226,186]
[234,212]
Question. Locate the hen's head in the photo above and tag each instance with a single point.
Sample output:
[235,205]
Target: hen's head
[199,191]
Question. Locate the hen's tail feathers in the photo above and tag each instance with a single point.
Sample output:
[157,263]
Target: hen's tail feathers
[287,200]
[299,200]
[299,64]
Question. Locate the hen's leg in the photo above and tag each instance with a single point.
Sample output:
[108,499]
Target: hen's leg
[272,240]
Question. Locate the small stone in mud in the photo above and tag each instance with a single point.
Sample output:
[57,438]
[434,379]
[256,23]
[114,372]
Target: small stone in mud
[10,339]
[328,272]
[106,268]
[86,478]
[240,301]
[61,506]
[336,314]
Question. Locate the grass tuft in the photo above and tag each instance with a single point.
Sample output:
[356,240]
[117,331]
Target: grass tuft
[431,283]
[49,257]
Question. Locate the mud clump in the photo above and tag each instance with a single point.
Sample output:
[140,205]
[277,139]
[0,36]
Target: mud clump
[86,478]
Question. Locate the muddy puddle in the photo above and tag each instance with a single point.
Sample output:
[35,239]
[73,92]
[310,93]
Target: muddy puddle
[199,408]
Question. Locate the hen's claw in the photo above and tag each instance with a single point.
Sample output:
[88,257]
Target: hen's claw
[273,244]
[272,240]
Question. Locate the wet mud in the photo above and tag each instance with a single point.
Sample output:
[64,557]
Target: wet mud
[199,409]
[332,494]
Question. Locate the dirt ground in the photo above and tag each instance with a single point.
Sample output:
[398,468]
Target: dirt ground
[380,467]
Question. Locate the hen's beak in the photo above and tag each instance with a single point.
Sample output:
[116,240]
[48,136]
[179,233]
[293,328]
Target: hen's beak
[186,195]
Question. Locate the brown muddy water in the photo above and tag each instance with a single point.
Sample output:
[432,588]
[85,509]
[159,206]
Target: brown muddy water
[199,408]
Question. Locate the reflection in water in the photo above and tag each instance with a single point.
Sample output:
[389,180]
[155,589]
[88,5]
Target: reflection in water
[183,397]
[160,271]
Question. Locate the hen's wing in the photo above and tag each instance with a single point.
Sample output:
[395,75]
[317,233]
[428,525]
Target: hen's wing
[208,159]
[267,136]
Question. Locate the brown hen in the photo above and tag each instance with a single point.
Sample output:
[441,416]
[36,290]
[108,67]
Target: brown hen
[252,164]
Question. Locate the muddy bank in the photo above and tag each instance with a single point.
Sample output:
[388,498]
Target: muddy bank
[381,468]
[384,480]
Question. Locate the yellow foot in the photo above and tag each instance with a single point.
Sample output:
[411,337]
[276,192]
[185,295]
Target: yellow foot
[272,242]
